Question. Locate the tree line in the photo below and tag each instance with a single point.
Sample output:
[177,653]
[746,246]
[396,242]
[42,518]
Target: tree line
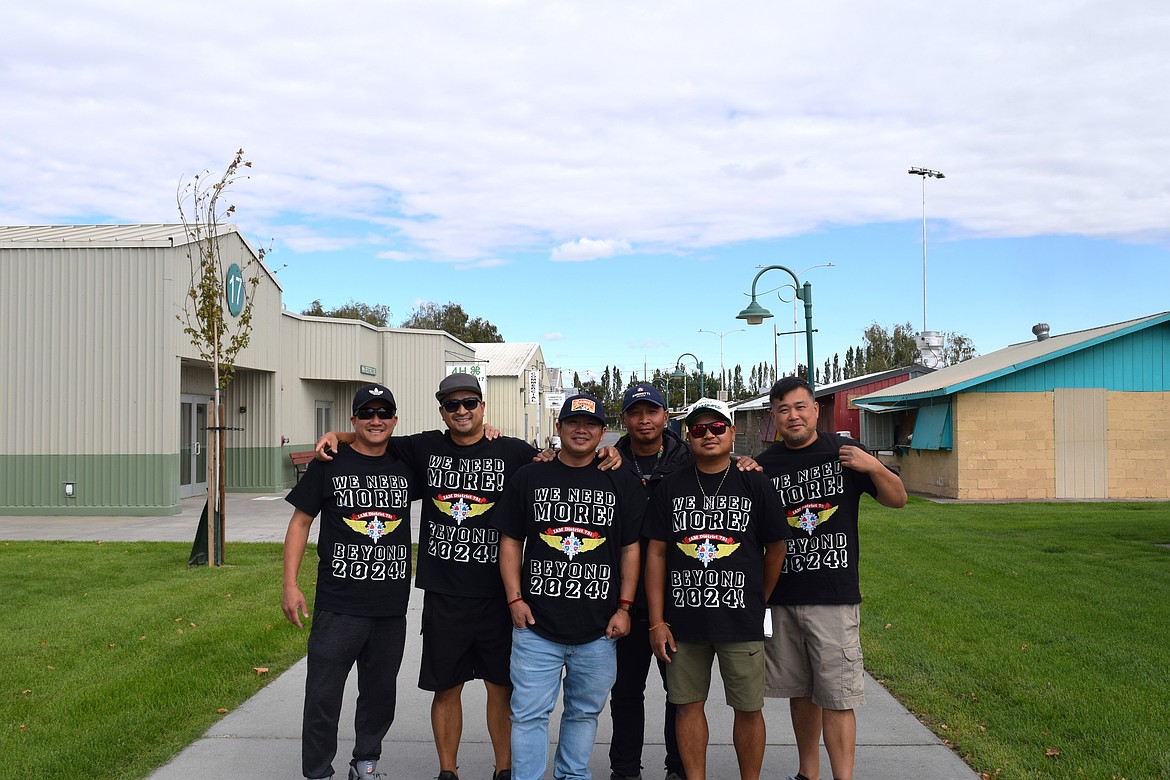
[881,348]
[427,316]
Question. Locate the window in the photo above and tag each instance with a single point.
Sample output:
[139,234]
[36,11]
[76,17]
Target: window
[324,417]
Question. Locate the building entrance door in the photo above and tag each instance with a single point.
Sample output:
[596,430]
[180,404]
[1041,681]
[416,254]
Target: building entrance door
[192,445]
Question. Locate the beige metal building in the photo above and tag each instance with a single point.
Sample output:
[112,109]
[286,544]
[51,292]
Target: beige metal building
[104,399]
[1082,415]
[517,383]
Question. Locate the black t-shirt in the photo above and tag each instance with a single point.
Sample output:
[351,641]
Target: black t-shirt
[574,522]
[820,498]
[715,551]
[674,455]
[364,544]
[458,549]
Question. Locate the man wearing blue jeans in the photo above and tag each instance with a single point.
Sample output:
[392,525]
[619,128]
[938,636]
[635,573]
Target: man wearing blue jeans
[569,559]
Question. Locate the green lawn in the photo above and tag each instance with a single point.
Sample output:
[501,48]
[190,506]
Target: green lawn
[1013,630]
[116,656]
[1035,638]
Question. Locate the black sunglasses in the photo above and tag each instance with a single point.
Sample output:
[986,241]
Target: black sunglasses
[368,412]
[452,406]
[699,430]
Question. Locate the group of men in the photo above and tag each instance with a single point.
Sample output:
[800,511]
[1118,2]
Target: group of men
[565,570]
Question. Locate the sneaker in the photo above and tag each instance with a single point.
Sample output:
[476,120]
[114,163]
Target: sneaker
[364,770]
[673,775]
[445,775]
[503,774]
[616,776]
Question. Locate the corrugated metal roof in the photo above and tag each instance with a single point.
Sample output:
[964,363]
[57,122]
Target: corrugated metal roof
[506,359]
[961,376]
[99,235]
[761,401]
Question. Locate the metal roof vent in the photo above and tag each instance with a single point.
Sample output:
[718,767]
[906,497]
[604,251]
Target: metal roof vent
[1040,331]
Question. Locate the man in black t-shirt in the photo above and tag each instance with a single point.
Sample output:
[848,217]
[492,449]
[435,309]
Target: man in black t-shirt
[466,628]
[569,562]
[716,547]
[814,655]
[363,585]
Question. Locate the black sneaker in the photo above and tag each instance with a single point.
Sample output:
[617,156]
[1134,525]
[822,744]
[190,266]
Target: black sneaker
[445,775]
[503,774]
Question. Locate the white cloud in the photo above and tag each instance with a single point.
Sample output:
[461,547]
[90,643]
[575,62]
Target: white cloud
[589,249]
[553,336]
[462,132]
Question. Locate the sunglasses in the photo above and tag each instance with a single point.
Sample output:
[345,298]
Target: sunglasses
[368,412]
[699,430]
[470,404]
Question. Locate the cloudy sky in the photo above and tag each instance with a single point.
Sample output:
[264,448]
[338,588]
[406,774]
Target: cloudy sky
[605,177]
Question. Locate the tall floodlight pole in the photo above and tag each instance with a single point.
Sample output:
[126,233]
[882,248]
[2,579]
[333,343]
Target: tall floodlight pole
[924,173]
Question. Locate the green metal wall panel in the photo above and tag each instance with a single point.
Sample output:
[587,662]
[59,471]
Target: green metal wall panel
[105,484]
[258,469]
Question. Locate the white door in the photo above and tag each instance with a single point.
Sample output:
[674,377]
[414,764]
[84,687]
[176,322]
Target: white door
[192,445]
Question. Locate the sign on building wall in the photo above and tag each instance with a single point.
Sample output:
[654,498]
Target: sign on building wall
[554,401]
[477,370]
[533,387]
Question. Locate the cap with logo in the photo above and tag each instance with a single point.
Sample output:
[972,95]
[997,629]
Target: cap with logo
[373,393]
[582,405]
[458,381]
[709,406]
[636,393]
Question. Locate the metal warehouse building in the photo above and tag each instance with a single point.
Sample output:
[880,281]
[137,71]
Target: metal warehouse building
[104,397]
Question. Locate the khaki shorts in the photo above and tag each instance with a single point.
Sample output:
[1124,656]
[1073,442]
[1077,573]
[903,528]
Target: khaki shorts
[815,652]
[741,665]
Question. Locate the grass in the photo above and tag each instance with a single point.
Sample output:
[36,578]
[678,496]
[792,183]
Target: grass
[115,656]
[1033,638]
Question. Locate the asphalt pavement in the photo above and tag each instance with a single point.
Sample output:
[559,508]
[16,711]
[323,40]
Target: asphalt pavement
[261,739]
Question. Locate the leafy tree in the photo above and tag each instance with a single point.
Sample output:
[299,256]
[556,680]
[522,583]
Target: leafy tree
[738,389]
[576,380]
[378,314]
[957,347]
[217,337]
[451,318]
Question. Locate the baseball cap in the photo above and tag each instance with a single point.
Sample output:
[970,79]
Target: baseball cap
[636,393]
[582,405]
[373,393]
[709,406]
[458,381]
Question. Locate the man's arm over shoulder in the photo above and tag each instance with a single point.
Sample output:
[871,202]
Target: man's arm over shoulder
[889,490]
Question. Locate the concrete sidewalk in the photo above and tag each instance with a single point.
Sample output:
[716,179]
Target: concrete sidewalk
[261,739]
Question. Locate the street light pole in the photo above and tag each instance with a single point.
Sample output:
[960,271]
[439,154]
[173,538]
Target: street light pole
[924,174]
[678,372]
[795,328]
[722,375]
[755,314]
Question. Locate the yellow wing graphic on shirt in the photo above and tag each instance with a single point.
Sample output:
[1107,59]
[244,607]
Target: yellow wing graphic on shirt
[584,545]
[375,528]
[465,509]
[808,520]
[721,551]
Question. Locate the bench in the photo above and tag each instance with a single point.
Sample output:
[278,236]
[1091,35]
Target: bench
[300,461]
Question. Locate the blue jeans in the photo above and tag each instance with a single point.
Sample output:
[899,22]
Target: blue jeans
[589,673]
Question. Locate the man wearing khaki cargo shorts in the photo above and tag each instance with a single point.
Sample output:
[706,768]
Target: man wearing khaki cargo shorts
[814,655]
